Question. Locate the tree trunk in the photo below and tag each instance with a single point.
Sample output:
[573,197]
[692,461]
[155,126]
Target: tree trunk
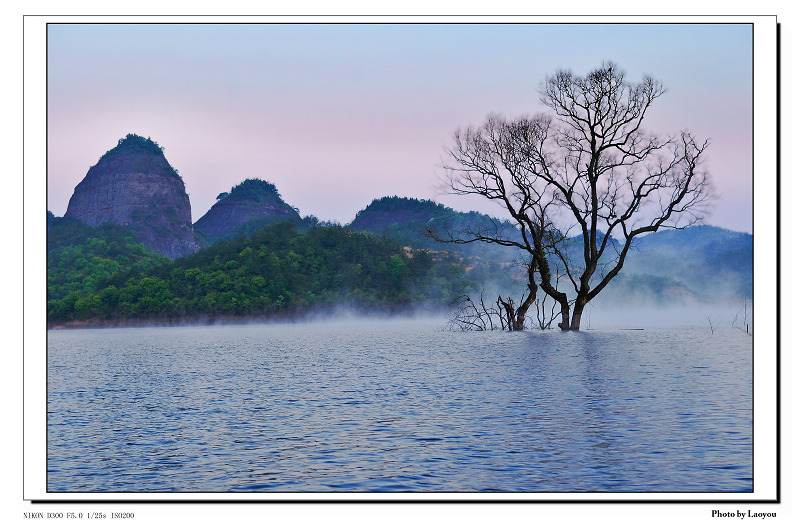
[508,309]
[564,324]
[577,313]
[519,322]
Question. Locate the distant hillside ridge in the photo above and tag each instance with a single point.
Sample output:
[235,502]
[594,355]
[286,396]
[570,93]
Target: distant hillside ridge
[381,213]
[709,259]
[406,221]
[695,237]
[250,205]
[134,185]
[699,262]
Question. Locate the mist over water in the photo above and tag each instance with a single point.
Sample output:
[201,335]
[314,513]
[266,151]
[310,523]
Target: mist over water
[398,405]
[733,314]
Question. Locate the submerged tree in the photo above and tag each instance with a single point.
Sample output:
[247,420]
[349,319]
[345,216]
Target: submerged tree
[591,169]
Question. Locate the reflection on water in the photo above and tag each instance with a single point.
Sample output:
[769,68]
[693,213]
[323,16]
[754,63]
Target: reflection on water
[398,406]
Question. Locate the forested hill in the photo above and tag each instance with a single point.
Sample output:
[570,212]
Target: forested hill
[250,205]
[700,262]
[104,275]
[277,271]
[382,213]
[134,185]
[704,239]
[83,260]
[713,261]
[407,221]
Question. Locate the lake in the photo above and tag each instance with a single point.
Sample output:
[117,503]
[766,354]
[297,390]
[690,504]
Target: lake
[398,406]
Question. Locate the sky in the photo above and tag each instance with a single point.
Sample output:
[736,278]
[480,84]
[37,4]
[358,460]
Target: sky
[336,115]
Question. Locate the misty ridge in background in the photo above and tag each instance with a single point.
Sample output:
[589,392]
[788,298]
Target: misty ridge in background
[258,258]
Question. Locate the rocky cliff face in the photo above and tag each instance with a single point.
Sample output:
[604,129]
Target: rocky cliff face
[133,185]
[250,205]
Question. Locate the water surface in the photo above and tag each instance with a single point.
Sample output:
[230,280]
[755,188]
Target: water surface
[398,406]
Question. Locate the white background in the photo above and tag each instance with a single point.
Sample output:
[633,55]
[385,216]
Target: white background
[355,516]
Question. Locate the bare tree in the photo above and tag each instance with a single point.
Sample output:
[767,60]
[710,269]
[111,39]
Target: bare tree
[742,320]
[592,169]
[474,315]
[712,323]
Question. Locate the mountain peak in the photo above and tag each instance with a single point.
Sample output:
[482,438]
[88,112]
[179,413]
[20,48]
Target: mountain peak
[383,212]
[251,204]
[254,189]
[138,153]
[133,185]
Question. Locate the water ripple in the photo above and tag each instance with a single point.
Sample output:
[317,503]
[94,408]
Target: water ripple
[397,408]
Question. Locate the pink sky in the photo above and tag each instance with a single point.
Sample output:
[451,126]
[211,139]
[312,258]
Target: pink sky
[337,115]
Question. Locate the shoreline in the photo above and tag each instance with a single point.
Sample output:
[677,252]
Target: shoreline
[98,323]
